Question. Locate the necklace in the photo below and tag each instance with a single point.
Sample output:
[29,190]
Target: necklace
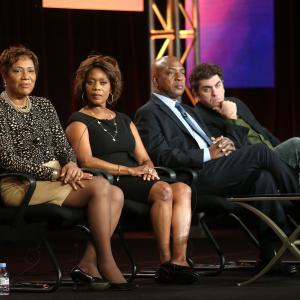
[113,136]
[23,109]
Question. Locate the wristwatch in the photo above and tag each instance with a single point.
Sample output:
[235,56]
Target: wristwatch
[54,175]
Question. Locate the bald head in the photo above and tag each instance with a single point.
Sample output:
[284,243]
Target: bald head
[163,62]
[168,77]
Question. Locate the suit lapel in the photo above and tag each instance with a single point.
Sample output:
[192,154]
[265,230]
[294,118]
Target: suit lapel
[197,118]
[169,112]
[245,113]
[245,116]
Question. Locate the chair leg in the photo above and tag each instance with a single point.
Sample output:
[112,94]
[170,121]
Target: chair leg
[39,287]
[245,229]
[55,263]
[216,247]
[292,220]
[133,273]
[189,254]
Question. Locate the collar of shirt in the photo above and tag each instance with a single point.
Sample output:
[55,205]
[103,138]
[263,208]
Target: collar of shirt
[171,104]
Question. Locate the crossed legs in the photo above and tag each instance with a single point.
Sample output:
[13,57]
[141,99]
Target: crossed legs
[225,175]
[104,204]
[289,151]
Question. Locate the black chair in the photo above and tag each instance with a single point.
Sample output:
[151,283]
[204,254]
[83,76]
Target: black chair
[209,208]
[137,215]
[30,223]
[42,223]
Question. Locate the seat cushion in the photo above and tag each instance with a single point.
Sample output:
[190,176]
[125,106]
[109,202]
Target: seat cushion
[51,214]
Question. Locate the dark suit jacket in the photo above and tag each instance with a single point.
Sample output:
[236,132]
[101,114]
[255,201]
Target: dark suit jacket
[170,144]
[217,125]
[166,139]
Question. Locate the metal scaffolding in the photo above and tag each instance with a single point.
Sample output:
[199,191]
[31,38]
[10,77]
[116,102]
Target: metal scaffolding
[168,34]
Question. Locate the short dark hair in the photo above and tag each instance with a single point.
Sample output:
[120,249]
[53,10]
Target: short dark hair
[108,65]
[204,71]
[10,55]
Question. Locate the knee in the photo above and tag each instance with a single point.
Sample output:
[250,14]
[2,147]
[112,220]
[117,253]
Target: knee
[161,191]
[99,186]
[293,143]
[182,190]
[117,195]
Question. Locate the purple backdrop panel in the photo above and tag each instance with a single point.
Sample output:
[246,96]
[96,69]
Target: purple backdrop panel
[238,35]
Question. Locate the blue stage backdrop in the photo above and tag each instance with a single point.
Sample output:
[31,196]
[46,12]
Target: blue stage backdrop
[238,35]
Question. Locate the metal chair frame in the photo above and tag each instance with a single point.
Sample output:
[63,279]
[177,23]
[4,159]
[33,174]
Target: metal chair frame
[17,226]
[290,242]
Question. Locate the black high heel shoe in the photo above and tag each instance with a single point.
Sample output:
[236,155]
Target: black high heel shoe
[79,276]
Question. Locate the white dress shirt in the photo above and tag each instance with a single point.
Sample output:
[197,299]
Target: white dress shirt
[200,141]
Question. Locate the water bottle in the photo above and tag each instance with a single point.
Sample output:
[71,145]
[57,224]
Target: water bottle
[4,280]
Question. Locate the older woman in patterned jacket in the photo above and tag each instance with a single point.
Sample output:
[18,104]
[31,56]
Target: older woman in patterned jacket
[32,141]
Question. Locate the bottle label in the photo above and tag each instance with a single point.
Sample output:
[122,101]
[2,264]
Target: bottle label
[4,281]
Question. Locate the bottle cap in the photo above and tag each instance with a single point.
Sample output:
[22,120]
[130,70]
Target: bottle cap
[2,265]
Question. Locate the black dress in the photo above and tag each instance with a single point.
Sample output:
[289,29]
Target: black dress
[120,151]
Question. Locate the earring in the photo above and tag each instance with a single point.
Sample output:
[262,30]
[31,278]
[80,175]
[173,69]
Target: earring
[112,99]
[4,84]
[83,98]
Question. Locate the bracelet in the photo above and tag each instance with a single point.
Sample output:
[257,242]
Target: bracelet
[119,169]
[54,175]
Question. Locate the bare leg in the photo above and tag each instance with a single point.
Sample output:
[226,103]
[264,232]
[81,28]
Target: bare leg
[181,222]
[161,215]
[88,262]
[96,196]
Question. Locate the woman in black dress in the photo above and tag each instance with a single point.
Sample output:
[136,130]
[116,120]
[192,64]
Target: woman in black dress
[105,139]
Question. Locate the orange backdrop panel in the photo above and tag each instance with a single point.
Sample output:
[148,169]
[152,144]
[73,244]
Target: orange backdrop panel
[129,5]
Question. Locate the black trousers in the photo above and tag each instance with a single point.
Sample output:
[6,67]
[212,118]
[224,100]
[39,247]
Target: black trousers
[230,175]
[252,169]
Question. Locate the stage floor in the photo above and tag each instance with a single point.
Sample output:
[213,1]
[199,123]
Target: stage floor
[29,262]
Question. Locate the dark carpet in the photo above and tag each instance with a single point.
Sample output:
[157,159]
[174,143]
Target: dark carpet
[26,263]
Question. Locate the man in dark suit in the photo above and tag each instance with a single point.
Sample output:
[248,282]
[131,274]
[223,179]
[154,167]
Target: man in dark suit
[177,137]
[231,117]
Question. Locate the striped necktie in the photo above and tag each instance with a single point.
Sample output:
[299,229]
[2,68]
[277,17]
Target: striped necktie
[186,117]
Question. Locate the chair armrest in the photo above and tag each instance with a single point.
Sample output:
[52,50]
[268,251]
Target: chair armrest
[265,197]
[99,172]
[192,173]
[169,172]
[28,194]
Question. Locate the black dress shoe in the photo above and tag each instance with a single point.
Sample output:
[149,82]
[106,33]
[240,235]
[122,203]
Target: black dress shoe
[79,276]
[185,275]
[124,286]
[164,274]
[172,273]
